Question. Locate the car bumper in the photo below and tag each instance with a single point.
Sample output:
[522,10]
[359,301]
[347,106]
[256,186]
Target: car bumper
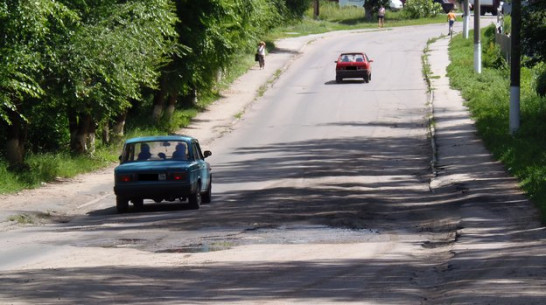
[351,73]
[153,190]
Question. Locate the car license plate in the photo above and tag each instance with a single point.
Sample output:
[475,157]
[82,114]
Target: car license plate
[162,176]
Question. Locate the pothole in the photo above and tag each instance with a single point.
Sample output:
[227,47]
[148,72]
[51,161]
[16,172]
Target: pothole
[199,248]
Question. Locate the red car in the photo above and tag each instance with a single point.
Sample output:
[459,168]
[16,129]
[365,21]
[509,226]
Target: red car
[353,65]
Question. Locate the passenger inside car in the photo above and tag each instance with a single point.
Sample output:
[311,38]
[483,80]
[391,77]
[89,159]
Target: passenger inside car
[180,152]
[144,152]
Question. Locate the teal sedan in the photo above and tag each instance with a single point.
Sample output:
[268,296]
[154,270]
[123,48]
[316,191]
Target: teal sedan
[162,168]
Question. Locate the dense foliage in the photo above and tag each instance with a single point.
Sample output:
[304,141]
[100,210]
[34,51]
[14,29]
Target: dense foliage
[533,30]
[422,8]
[371,7]
[76,70]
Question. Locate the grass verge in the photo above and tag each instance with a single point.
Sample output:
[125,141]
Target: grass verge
[488,98]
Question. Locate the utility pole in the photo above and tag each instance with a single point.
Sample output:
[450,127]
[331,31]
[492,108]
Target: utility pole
[316,11]
[515,66]
[477,43]
[466,19]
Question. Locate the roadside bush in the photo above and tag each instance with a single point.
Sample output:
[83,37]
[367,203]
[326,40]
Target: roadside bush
[421,9]
[492,57]
[297,8]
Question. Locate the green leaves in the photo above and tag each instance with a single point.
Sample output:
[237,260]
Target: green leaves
[63,60]
[26,28]
[422,8]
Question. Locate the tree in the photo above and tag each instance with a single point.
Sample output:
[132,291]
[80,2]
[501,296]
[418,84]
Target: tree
[28,29]
[533,30]
[371,7]
[78,63]
[212,33]
[117,49]
[422,8]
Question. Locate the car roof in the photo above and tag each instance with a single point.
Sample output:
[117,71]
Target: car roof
[161,138]
[351,53]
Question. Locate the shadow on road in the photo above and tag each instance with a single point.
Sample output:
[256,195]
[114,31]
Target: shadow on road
[395,196]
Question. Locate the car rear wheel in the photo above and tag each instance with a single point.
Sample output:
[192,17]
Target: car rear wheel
[207,195]
[122,204]
[195,198]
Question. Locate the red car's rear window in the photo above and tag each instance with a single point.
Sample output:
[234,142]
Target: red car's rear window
[351,58]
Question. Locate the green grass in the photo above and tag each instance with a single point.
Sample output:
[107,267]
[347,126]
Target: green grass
[49,167]
[332,18]
[488,96]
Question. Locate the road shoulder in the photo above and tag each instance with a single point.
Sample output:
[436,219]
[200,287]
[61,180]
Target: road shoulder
[499,240]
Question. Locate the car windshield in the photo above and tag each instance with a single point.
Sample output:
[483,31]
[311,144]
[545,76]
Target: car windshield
[155,151]
[352,58]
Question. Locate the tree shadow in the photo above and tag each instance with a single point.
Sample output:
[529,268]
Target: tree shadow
[394,196]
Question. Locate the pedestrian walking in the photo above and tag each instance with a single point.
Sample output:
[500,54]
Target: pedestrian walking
[381,16]
[260,54]
[451,19]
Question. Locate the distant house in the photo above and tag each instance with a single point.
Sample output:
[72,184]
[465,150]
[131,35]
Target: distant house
[358,3]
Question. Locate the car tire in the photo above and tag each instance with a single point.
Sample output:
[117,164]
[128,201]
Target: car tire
[366,79]
[338,79]
[195,198]
[122,204]
[138,203]
[206,197]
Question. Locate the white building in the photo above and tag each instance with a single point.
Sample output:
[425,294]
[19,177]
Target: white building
[358,3]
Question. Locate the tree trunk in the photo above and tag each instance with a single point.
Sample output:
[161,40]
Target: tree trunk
[190,99]
[171,105]
[79,134]
[368,10]
[91,136]
[15,142]
[119,127]
[159,101]
[106,133]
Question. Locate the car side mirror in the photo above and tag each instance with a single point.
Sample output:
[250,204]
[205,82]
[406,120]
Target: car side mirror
[207,153]
[371,60]
[335,61]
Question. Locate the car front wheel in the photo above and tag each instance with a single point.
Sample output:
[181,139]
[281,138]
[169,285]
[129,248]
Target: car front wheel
[122,204]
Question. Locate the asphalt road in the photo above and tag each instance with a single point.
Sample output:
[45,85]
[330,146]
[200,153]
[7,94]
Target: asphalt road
[323,194]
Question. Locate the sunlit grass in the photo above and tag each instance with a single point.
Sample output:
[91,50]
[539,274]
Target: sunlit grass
[48,167]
